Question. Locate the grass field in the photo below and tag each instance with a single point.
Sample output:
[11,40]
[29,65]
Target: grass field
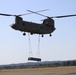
[54,69]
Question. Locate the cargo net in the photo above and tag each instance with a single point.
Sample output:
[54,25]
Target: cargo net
[31,58]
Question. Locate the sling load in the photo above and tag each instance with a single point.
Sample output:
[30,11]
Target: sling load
[31,58]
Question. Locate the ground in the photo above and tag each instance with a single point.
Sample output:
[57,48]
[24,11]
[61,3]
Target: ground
[41,71]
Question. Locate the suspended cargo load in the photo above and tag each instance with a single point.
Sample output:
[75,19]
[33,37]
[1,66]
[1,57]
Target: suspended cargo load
[34,59]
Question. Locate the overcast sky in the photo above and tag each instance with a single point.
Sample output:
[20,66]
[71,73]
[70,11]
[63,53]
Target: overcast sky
[14,47]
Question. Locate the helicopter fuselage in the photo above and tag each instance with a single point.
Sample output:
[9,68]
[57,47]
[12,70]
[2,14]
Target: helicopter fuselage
[31,27]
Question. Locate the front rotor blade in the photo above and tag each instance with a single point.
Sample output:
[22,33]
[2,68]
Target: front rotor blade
[6,14]
[37,13]
[64,16]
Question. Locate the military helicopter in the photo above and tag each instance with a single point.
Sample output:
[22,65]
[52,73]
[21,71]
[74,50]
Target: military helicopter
[46,27]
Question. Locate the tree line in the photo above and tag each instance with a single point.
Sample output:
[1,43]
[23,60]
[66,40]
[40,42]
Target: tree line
[40,65]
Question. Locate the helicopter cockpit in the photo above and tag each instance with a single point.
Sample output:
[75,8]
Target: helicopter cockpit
[17,22]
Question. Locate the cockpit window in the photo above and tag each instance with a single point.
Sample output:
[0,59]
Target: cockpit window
[14,22]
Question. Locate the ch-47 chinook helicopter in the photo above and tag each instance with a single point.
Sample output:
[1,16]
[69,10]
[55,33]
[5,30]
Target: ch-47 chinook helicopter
[46,27]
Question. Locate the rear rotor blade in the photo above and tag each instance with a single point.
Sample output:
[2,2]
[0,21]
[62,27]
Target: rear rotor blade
[33,12]
[64,16]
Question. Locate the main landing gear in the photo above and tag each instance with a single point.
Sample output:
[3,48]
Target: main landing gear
[50,35]
[24,34]
[43,35]
[32,34]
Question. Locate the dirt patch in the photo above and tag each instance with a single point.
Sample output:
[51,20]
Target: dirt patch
[41,71]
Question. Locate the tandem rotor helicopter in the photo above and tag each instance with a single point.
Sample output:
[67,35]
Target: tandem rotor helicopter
[46,27]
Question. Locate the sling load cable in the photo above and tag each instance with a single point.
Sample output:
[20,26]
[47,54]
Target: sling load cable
[38,51]
[30,49]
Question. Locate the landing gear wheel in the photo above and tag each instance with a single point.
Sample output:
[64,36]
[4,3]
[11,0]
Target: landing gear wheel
[42,35]
[31,33]
[24,34]
[50,35]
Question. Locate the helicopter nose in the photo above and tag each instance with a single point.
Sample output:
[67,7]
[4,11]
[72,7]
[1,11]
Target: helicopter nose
[13,26]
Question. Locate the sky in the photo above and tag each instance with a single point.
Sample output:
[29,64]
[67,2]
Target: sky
[14,47]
